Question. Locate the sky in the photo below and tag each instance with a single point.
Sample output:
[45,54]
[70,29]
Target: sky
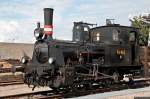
[18,18]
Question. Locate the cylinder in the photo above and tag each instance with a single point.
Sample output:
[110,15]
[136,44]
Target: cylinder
[48,21]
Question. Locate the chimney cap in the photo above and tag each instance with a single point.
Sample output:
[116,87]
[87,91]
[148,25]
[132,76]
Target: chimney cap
[48,9]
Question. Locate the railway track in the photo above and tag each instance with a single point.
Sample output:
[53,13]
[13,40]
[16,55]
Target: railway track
[11,83]
[11,79]
[24,95]
[50,94]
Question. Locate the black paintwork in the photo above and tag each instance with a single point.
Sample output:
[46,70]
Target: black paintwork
[48,16]
[90,47]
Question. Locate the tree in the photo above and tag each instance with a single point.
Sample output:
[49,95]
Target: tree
[143,23]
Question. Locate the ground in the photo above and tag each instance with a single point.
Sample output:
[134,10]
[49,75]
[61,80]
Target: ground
[123,94]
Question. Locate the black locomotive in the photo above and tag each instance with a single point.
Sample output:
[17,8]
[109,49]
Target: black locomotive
[98,55]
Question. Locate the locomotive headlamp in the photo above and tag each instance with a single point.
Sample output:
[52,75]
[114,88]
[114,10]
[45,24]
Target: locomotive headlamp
[51,60]
[24,60]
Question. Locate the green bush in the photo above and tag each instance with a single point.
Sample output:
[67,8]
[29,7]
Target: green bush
[144,29]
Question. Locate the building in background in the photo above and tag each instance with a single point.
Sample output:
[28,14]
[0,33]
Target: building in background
[15,50]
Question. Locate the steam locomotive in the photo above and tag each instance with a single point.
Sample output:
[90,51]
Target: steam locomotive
[96,54]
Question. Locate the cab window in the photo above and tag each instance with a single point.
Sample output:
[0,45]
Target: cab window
[132,36]
[115,35]
[97,37]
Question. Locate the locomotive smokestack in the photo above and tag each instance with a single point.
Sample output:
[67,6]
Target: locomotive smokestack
[48,20]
